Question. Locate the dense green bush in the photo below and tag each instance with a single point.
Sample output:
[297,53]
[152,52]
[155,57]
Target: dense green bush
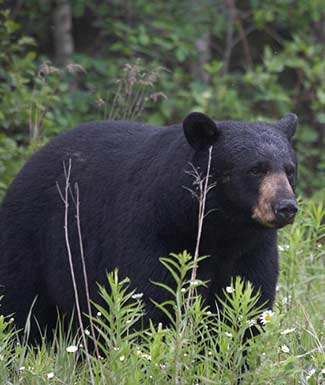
[260,61]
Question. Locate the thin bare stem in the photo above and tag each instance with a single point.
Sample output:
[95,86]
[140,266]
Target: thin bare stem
[127,99]
[115,101]
[133,104]
[65,197]
[84,270]
[36,127]
[139,105]
[319,349]
[204,188]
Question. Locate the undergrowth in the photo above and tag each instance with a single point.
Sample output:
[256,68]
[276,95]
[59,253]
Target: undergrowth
[196,346]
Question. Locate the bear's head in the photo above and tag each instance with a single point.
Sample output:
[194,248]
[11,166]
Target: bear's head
[253,165]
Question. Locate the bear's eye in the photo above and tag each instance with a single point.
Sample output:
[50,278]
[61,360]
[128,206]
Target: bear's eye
[290,172]
[257,171]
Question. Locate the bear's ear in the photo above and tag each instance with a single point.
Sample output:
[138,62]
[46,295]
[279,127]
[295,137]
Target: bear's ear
[288,124]
[200,131]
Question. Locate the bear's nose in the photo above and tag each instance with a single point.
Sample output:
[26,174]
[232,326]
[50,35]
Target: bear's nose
[285,210]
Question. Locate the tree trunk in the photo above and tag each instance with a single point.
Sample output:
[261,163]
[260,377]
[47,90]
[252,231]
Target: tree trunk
[202,45]
[63,40]
[319,32]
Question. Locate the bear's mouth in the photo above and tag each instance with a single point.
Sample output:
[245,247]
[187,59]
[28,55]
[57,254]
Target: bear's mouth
[276,224]
[278,220]
[276,205]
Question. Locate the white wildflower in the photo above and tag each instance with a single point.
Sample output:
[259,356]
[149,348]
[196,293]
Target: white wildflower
[266,316]
[137,295]
[228,334]
[251,322]
[310,373]
[144,355]
[283,247]
[72,349]
[230,289]
[122,358]
[285,349]
[99,314]
[286,300]
[50,375]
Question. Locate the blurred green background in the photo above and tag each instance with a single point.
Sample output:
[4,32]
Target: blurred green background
[157,61]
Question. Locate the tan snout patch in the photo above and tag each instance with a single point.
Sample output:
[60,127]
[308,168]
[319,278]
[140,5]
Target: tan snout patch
[270,186]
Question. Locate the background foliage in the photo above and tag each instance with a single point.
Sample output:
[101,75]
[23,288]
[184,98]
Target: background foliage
[234,60]
[156,61]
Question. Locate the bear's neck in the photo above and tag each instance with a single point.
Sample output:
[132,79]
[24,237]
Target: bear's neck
[175,209]
[219,235]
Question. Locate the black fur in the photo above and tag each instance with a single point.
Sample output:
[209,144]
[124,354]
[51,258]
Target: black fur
[135,209]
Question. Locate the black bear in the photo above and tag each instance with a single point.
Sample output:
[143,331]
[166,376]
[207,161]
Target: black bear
[135,207]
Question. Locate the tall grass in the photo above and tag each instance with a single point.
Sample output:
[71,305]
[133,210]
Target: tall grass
[196,346]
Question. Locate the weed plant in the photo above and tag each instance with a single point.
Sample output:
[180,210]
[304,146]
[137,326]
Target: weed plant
[195,346]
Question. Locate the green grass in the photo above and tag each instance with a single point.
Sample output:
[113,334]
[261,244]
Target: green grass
[198,347]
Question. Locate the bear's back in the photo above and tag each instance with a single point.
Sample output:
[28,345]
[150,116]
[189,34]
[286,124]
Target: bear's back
[93,148]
